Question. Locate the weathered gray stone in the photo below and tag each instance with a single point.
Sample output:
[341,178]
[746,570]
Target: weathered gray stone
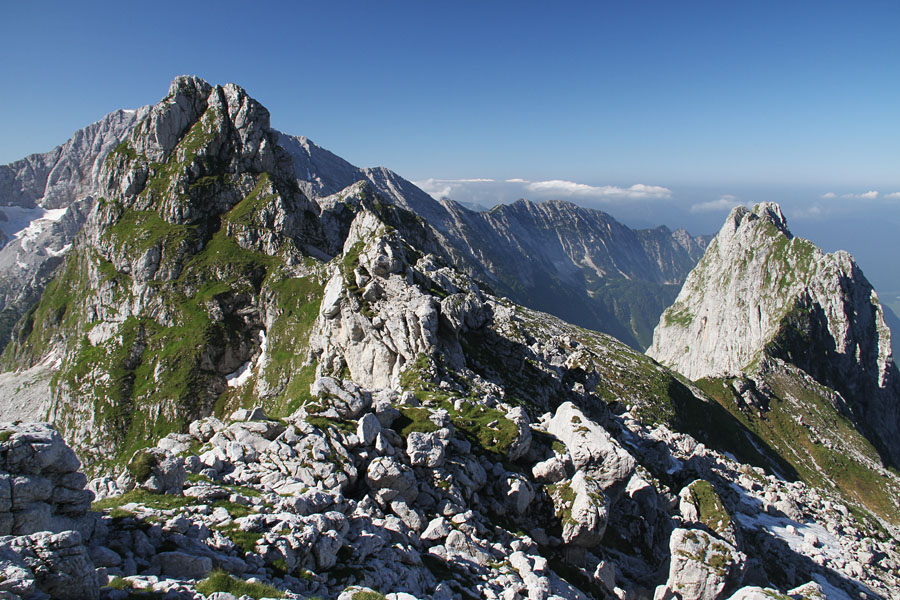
[426,449]
[367,429]
[158,471]
[592,448]
[181,565]
[388,473]
[59,562]
[701,566]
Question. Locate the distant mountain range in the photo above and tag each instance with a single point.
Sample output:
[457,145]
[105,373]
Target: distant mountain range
[577,263]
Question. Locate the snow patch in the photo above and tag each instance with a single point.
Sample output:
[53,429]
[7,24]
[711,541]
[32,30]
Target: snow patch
[245,371]
[239,377]
[26,224]
[59,252]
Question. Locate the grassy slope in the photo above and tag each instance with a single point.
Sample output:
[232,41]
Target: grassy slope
[821,445]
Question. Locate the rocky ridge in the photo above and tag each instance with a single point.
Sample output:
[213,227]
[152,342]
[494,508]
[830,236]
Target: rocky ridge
[792,341]
[62,184]
[353,413]
[577,263]
[613,279]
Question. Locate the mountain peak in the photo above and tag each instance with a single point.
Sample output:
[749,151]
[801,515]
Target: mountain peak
[760,295]
[764,212]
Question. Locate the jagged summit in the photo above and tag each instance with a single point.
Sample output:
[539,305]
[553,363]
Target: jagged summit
[760,297]
[733,304]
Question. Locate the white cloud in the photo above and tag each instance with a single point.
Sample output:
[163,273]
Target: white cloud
[814,211]
[870,195]
[436,188]
[559,187]
[829,195]
[892,196]
[490,191]
[726,202]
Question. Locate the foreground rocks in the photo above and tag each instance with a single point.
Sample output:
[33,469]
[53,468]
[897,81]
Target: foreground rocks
[410,433]
[264,501]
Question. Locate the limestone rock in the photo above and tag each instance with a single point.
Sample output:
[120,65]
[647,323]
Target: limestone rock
[59,564]
[701,567]
[426,449]
[759,291]
[583,509]
[157,471]
[592,448]
[182,565]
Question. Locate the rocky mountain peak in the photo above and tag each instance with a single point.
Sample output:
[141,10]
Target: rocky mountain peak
[768,212]
[759,293]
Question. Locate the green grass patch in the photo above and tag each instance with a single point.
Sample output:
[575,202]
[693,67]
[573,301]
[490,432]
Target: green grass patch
[324,423]
[363,595]
[413,419]
[797,410]
[712,511]
[245,540]
[141,465]
[220,581]
[234,509]
[145,498]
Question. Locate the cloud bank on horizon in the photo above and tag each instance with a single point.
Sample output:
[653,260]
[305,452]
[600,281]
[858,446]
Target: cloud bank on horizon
[863,221]
[489,192]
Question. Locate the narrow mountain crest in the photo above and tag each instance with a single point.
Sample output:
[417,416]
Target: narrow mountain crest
[760,293]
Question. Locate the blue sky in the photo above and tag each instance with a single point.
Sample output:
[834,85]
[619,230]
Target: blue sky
[715,102]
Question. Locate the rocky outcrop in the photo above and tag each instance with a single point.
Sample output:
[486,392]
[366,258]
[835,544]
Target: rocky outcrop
[41,487]
[54,565]
[759,293]
[701,567]
[200,191]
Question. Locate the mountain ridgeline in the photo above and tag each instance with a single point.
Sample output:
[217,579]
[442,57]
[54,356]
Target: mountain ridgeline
[577,263]
[312,363]
[794,343]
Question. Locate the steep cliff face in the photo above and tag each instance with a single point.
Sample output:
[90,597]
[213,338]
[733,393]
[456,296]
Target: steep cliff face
[196,247]
[44,201]
[760,293]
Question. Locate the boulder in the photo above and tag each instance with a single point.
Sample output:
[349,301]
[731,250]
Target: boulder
[583,509]
[368,428]
[426,449]
[551,470]
[388,473]
[181,565]
[344,397]
[592,448]
[157,471]
[701,567]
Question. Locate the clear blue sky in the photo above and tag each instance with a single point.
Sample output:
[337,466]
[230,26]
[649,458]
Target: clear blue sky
[712,100]
[658,92]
